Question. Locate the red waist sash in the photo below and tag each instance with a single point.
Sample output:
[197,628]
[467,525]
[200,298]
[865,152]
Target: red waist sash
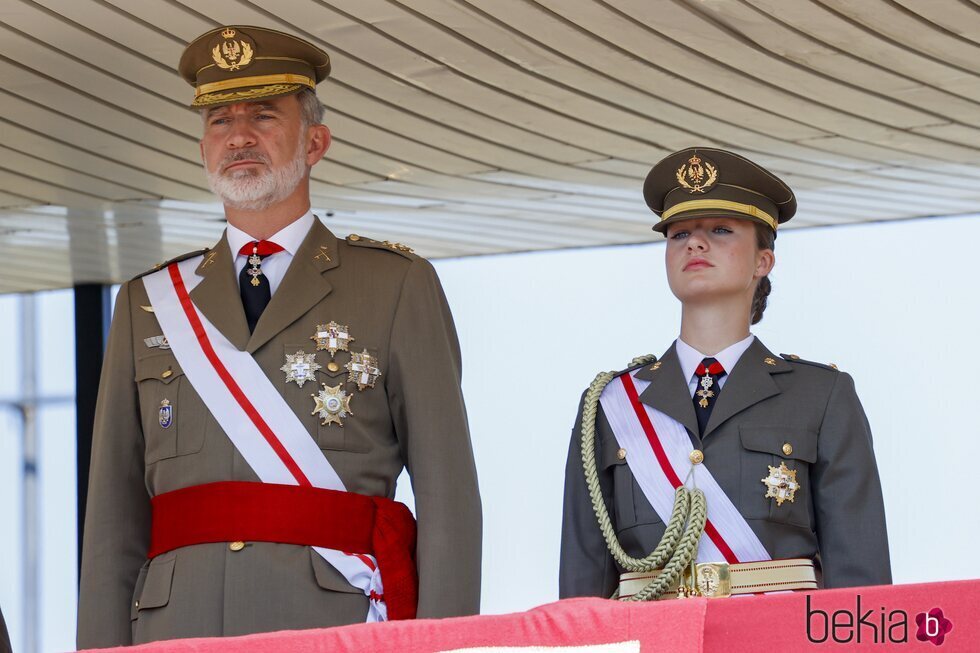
[292,514]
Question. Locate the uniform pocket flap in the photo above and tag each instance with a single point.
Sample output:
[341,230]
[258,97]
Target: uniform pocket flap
[329,578]
[156,588]
[162,367]
[611,454]
[780,441]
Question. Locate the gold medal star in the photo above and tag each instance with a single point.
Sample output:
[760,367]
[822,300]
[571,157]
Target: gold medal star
[332,405]
[781,484]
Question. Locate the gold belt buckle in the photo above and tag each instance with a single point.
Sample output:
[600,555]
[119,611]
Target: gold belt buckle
[713,580]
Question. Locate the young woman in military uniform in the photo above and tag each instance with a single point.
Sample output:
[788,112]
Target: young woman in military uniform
[738,455]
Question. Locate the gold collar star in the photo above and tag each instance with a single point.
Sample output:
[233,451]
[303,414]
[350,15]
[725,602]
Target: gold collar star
[332,405]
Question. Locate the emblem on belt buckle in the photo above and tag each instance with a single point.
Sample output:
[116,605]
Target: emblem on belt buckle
[781,484]
[713,580]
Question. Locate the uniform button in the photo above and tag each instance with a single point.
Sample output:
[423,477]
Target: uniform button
[787,449]
[621,454]
[236,546]
[696,457]
[137,605]
[354,237]
[167,373]
[333,367]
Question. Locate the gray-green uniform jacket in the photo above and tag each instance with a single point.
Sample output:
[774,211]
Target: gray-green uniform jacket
[837,517]
[414,417]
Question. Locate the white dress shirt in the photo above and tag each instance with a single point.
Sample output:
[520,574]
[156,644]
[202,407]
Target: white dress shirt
[690,358]
[274,266]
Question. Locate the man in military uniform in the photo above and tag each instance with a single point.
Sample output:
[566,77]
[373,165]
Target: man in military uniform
[259,399]
[778,448]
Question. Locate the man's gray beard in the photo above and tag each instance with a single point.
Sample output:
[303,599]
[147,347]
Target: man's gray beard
[256,191]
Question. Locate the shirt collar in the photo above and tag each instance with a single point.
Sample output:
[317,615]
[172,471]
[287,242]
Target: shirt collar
[690,357]
[289,237]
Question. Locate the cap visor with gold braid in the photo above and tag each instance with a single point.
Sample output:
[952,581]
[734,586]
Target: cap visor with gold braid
[243,64]
[704,182]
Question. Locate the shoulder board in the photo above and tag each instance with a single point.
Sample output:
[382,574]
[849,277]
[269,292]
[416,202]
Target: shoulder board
[638,362]
[176,259]
[398,248]
[793,358]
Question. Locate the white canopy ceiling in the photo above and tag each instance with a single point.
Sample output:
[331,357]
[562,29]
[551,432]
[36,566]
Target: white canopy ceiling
[468,127]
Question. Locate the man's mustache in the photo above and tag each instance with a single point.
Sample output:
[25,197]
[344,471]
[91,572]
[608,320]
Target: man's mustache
[243,155]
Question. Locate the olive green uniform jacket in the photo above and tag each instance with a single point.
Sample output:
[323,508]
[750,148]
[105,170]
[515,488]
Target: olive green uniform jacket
[414,417]
[837,516]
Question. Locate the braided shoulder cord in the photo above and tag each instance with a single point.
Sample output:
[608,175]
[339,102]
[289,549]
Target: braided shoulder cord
[686,521]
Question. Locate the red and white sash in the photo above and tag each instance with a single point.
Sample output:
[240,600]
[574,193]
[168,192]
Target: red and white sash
[251,410]
[658,449]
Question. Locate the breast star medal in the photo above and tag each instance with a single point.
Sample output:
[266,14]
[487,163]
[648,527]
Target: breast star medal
[332,337]
[781,484]
[332,405]
[706,392]
[300,367]
[166,416]
[363,370]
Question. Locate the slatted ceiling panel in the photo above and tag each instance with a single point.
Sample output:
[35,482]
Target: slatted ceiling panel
[901,25]
[960,19]
[777,36]
[665,91]
[845,34]
[484,126]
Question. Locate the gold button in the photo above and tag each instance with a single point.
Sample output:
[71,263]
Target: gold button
[236,546]
[621,454]
[787,449]
[167,373]
[354,237]
[333,367]
[696,457]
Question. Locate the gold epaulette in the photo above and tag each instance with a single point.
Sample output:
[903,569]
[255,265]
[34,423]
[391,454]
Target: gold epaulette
[398,248]
[176,259]
[793,358]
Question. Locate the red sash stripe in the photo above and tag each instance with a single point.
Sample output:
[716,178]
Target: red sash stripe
[229,381]
[658,450]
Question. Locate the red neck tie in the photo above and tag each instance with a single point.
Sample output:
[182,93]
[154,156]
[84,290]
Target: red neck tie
[254,285]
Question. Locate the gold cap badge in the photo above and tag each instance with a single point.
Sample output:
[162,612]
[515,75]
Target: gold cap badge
[697,175]
[230,53]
